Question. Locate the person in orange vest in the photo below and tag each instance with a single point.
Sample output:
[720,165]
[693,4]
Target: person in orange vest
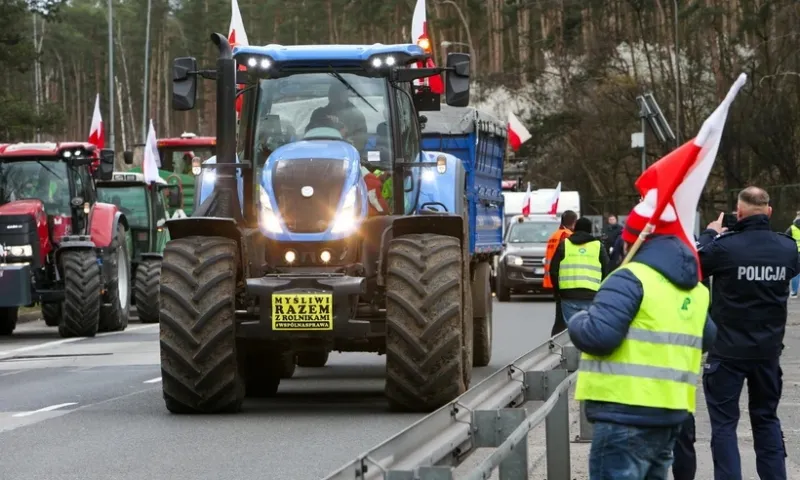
[566,228]
[377,204]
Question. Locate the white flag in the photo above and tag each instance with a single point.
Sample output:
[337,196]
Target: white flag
[151,161]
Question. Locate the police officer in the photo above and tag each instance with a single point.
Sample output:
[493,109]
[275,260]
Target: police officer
[751,268]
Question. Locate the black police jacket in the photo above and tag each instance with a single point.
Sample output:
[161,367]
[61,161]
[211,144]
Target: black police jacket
[751,268]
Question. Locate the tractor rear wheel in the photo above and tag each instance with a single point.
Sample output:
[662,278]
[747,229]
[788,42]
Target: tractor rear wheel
[482,311]
[114,314]
[82,294]
[8,320]
[313,359]
[263,368]
[424,322]
[51,313]
[199,363]
[146,291]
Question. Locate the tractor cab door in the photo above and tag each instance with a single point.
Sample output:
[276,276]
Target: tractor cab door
[409,139]
[160,217]
[82,188]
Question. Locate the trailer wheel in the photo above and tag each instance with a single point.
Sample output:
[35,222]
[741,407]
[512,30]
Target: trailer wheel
[82,294]
[51,313]
[482,304]
[115,313]
[314,359]
[199,367]
[146,290]
[8,320]
[424,320]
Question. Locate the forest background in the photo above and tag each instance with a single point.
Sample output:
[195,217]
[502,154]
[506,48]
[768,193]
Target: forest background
[569,69]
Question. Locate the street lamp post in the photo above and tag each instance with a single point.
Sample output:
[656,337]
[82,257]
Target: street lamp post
[471,45]
[111,73]
[677,79]
[145,99]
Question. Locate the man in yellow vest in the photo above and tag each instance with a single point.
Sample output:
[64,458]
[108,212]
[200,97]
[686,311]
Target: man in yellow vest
[578,266]
[794,232]
[641,341]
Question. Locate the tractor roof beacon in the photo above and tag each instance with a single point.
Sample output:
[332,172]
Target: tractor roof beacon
[145,208]
[265,266]
[60,247]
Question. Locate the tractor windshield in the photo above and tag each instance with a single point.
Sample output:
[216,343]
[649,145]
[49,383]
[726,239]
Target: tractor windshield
[324,106]
[178,160]
[46,180]
[132,201]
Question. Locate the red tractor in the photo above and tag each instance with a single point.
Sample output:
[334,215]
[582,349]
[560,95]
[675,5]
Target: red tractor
[59,247]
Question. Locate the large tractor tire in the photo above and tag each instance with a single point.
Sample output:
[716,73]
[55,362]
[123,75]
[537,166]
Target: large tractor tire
[82,294]
[482,316]
[315,359]
[467,307]
[8,320]
[424,321]
[263,368]
[146,290]
[503,292]
[52,313]
[115,313]
[199,367]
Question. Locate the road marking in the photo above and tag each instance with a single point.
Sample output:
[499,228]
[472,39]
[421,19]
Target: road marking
[54,343]
[153,380]
[45,409]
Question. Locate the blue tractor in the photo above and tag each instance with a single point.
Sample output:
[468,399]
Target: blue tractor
[324,226]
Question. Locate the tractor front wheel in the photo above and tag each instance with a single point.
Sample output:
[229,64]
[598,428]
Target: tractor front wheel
[51,313]
[114,314]
[82,287]
[146,290]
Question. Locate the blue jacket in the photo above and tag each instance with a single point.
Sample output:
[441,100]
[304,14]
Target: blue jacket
[601,329]
[751,268]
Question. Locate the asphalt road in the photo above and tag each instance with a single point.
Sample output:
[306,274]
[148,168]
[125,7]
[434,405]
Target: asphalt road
[91,409]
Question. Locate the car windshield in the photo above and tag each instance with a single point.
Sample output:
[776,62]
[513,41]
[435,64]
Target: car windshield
[45,180]
[531,232]
[179,159]
[132,201]
[323,106]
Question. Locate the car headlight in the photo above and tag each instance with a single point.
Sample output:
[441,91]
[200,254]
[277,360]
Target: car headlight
[268,218]
[514,260]
[346,220]
[19,251]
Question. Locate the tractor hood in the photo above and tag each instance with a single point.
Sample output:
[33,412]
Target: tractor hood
[308,184]
[24,230]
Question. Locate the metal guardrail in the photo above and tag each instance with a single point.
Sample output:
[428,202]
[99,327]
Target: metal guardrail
[487,415]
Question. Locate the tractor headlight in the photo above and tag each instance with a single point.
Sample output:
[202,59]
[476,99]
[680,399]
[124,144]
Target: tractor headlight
[346,220]
[428,176]
[268,218]
[514,260]
[19,251]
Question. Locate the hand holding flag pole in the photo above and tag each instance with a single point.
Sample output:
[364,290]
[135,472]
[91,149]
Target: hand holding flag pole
[680,177]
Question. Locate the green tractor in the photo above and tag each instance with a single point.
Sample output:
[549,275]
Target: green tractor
[146,211]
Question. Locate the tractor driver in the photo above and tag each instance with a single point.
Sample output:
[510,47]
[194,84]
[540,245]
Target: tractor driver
[340,110]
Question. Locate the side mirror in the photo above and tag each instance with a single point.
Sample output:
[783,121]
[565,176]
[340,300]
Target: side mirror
[457,80]
[127,157]
[174,199]
[106,170]
[184,83]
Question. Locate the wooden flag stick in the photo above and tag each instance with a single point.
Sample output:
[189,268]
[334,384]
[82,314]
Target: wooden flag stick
[648,229]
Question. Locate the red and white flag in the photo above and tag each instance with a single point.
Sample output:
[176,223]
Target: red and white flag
[554,201]
[526,202]
[674,183]
[97,134]
[419,36]
[517,133]
[152,160]
[237,37]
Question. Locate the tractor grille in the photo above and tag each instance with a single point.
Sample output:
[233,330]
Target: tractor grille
[312,214]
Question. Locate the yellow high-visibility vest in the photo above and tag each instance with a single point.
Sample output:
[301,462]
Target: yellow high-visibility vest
[581,267]
[796,236]
[658,363]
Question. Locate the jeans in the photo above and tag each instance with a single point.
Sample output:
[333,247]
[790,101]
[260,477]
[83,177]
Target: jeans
[722,382]
[795,284]
[685,465]
[624,452]
[570,307]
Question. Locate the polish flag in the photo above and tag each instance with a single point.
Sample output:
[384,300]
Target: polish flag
[97,135]
[419,36]
[674,183]
[554,201]
[517,133]
[237,37]
[151,161]
[526,202]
